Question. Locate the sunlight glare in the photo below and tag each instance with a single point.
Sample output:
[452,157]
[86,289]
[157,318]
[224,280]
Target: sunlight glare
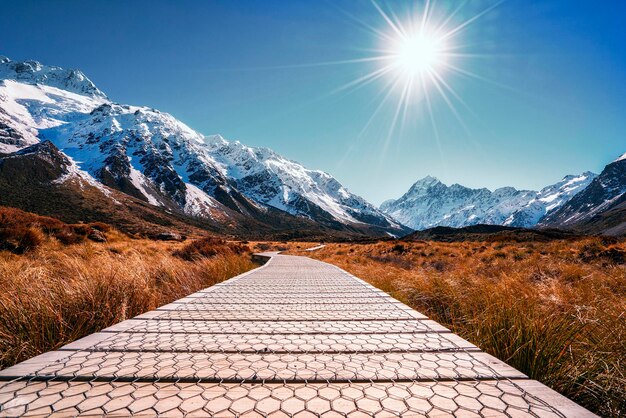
[419,50]
[418,54]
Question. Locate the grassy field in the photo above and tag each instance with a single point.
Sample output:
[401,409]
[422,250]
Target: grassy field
[554,310]
[58,286]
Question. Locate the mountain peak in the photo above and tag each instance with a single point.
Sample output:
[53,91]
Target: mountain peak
[45,147]
[42,162]
[577,177]
[215,139]
[585,174]
[428,180]
[621,158]
[34,72]
[423,185]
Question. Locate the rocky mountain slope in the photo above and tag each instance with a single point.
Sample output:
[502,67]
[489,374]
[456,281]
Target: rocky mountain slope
[430,203]
[151,156]
[42,179]
[601,207]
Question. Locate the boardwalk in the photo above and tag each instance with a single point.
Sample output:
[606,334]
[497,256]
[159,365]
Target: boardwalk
[294,337]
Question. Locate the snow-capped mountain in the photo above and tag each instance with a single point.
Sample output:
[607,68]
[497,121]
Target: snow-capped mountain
[34,97]
[274,180]
[154,157]
[33,72]
[549,199]
[41,179]
[430,203]
[596,208]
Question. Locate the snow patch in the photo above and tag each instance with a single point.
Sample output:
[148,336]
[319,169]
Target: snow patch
[8,148]
[197,202]
[141,182]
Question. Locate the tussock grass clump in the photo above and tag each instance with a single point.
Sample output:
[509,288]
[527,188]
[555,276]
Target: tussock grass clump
[20,239]
[56,294]
[554,310]
[595,251]
[21,231]
[209,247]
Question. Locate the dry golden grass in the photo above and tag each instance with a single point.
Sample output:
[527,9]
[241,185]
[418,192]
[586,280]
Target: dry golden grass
[22,231]
[288,246]
[57,293]
[556,310]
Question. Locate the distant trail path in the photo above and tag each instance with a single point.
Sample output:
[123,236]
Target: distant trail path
[295,336]
[319,247]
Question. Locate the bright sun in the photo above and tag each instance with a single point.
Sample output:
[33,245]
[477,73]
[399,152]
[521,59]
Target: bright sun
[417,54]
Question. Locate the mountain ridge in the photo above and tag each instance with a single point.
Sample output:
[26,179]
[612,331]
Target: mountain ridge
[41,179]
[152,156]
[600,207]
[430,203]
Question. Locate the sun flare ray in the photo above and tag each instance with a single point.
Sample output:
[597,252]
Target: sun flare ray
[418,53]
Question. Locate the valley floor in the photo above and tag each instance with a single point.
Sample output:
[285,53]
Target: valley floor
[553,310]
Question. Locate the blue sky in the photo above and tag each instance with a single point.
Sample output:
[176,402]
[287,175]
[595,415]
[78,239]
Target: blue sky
[550,101]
